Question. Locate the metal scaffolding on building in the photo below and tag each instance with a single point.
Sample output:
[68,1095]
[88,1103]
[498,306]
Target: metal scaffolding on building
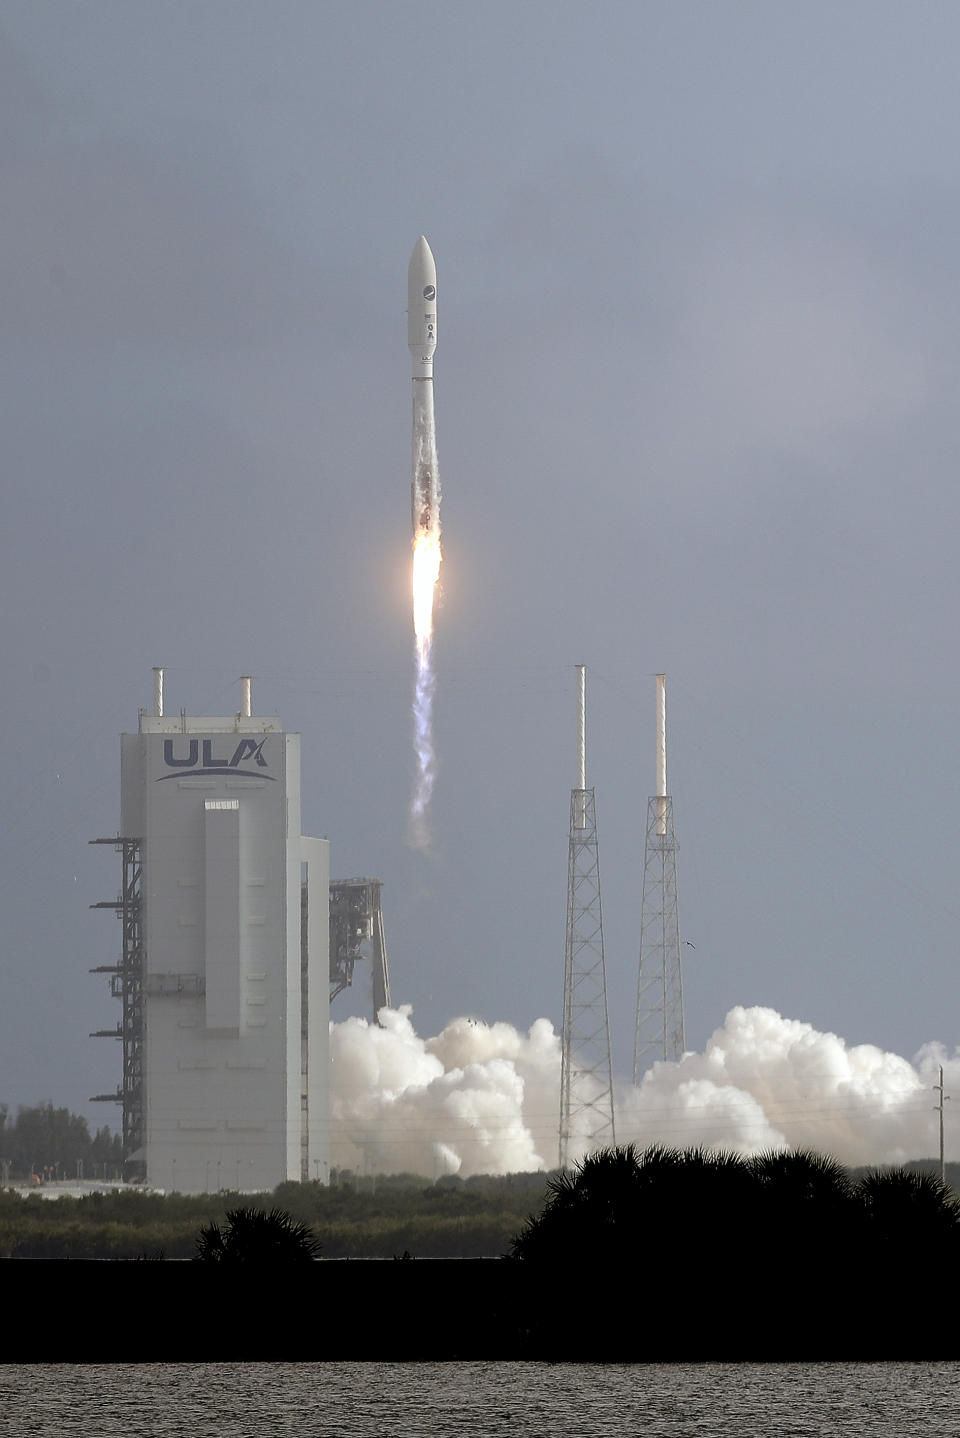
[127,984]
[659,1031]
[356,932]
[586,1072]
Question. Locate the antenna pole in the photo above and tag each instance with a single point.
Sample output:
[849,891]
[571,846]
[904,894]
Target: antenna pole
[661,790]
[581,785]
[943,1098]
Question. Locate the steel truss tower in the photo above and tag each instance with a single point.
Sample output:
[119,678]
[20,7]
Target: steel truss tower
[586,1075]
[356,932]
[126,984]
[659,1026]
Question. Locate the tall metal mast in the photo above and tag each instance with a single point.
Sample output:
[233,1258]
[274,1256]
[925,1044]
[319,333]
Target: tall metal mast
[586,1075]
[659,1027]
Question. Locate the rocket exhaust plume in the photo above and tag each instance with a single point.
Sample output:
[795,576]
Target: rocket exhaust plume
[481,1097]
[425,501]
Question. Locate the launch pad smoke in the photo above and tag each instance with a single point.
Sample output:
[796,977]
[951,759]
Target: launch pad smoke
[482,1098]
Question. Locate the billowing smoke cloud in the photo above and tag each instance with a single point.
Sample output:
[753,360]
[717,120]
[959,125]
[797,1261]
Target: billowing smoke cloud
[764,1081]
[478,1098]
[483,1098]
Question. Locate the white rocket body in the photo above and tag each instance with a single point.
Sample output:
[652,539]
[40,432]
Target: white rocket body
[422,339]
[422,309]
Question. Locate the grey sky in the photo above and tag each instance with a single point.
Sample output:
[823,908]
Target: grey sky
[696,403]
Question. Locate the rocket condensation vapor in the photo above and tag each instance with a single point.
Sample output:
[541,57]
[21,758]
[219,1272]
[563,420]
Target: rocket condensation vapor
[425,500]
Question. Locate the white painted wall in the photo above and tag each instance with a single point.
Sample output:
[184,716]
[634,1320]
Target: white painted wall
[217,805]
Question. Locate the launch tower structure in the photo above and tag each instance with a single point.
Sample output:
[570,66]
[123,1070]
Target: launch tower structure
[356,932]
[659,1026]
[586,1073]
[126,984]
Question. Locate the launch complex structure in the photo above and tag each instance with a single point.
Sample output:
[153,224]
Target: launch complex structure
[233,942]
[587,1113]
[659,1030]
[586,1071]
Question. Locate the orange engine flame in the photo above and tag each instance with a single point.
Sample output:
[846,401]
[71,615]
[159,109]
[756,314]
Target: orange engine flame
[426,572]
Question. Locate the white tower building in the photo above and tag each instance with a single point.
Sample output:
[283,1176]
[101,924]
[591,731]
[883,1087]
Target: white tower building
[230,1088]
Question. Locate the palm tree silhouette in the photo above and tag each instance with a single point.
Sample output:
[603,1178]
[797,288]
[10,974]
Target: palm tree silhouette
[249,1235]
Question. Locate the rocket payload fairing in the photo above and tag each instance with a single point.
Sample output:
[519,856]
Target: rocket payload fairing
[422,308]
[422,339]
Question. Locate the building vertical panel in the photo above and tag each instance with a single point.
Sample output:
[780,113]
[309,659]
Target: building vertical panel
[292,1027]
[316,992]
[222,926]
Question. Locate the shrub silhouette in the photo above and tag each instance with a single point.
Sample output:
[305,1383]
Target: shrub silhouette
[805,1205]
[904,1211]
[249,1235]
[686,1210]
[620,1206]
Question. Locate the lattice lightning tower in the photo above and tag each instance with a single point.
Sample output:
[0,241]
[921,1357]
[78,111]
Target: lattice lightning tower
[659,1028]
[586,1078]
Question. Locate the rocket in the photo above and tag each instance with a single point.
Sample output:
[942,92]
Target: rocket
[422,339]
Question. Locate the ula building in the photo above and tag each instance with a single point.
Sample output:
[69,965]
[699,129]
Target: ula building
[224,967]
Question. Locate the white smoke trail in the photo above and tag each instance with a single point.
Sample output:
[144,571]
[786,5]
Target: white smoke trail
[427,558]
[426,570]
[481,1098]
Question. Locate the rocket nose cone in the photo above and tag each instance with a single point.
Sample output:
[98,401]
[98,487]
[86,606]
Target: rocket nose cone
[422,305]
[423,269]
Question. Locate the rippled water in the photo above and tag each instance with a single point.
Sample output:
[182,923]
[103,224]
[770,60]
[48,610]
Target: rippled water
[479,1400]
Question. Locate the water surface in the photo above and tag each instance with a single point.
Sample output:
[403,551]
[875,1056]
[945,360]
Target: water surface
[479,1400]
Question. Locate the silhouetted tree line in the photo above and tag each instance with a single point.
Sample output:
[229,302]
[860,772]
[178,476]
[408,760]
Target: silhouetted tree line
[634,1256]
[780,1254]
[51,1143]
